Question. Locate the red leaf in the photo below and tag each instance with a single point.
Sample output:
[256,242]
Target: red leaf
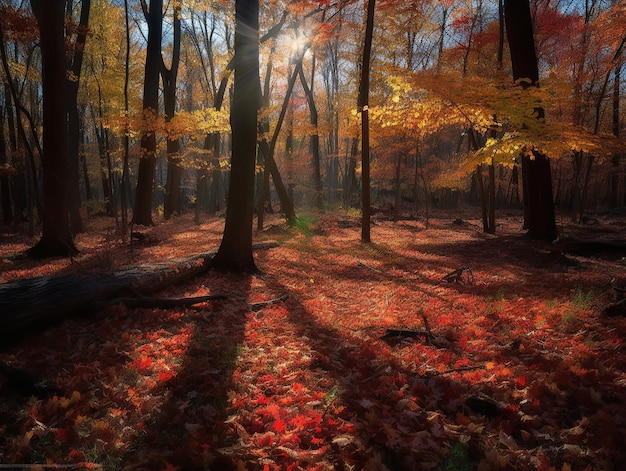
[279,426]
[272,410]
[166,376]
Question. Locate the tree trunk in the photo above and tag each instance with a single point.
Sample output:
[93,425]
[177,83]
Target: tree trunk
[314,143]
[124,183]
[18,204]
[398,189]
[483,197]
[142,213]
[263,179]
[363,104]
[614,196]
[268,150]
[536,174]
[491,226]
[169,76]
[83,160]
[56,238]
[5,191]
[235,252]
[212,196]
[74,65]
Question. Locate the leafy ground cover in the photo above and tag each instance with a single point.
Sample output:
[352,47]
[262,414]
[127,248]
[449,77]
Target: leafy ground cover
[514,365]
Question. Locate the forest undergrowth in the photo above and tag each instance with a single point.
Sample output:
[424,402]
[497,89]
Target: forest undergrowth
[337,356]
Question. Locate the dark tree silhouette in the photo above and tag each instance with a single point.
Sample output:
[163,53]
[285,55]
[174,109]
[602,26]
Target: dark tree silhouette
[142,213]
[364,89]
[56,238]
[235,252]
[536,174]
[169,76]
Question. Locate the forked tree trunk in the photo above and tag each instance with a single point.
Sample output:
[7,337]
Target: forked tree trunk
[314,143]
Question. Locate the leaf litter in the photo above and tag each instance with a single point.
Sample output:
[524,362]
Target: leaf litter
[517,367]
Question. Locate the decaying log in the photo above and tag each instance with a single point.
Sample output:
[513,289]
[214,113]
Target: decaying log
[27,303]
[35,303]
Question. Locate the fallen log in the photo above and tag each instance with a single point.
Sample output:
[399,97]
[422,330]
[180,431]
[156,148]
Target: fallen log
[36,303]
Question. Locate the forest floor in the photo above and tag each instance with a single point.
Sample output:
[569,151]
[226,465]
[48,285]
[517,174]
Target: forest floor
[512,365]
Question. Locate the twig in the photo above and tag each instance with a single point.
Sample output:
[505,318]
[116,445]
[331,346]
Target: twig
[360,263]
[458,370]
[261,304]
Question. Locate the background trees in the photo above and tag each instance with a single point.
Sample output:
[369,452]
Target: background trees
[442,106]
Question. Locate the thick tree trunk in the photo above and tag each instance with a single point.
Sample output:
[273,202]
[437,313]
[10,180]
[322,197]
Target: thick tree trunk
[235,252]
[56,238]
[142,213]
[538,200]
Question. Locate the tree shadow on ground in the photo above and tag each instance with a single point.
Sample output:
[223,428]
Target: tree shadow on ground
[126,403]
[397,417]
[189,427]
